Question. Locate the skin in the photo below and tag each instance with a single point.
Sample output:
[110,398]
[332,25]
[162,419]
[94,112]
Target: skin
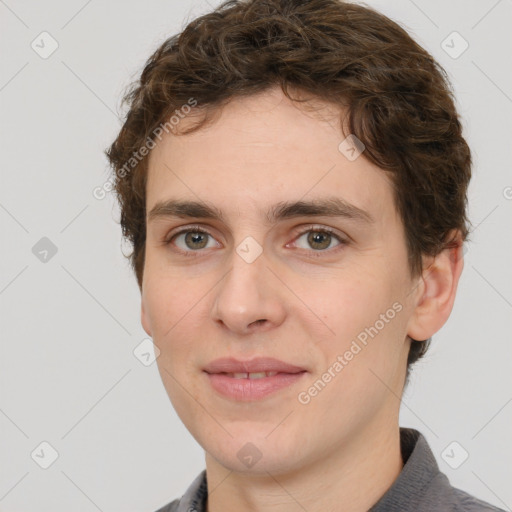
[343,445]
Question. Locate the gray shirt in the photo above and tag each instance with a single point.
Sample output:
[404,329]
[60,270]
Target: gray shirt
[420,487]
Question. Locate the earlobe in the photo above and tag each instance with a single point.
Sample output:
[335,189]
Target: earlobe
[436,291]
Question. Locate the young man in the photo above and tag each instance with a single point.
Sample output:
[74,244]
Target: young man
[292,176]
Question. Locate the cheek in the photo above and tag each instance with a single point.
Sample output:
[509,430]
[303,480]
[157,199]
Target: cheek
[168,300]
[172,306]
[367,321]
[362,370]
[349,304]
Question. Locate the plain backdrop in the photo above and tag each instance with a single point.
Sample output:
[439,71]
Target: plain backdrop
[70,307]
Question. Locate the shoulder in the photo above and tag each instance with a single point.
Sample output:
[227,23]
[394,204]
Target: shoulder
[194,498]
[422,487]
[468,503]
[170,507]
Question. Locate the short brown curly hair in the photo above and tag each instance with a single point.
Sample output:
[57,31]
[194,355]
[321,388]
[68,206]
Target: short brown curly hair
[399,101]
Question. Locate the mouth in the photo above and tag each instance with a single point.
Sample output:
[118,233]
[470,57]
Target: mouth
[255,375]
[251,380]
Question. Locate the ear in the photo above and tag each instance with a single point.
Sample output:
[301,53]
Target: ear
[436,289]
[144,318]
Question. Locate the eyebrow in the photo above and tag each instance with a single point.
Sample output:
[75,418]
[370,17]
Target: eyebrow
[320,207]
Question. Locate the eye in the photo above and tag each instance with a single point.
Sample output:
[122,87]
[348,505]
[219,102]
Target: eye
[192,240]
[319,239]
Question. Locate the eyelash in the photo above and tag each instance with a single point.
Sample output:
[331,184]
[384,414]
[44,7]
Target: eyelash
[196,229]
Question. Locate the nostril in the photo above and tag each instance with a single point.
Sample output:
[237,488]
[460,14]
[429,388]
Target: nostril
[256,322]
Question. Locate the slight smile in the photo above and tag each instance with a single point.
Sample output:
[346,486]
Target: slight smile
[251,380]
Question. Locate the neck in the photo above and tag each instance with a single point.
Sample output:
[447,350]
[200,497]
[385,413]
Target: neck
[352,478]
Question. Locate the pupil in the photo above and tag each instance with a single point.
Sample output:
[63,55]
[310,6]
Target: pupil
[195,238]
[316,238]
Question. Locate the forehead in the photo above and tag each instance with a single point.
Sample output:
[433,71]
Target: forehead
[263,150]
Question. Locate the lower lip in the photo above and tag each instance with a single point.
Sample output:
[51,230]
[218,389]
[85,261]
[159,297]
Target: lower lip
[246,390]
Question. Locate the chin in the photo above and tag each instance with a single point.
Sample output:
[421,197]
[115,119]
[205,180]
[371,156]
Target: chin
[252,453]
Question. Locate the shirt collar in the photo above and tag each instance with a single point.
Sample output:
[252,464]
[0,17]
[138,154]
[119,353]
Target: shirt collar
[414,481]
[194,499]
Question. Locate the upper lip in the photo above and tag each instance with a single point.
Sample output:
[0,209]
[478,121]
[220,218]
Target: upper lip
[258,364]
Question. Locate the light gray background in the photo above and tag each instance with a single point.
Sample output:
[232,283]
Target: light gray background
[68,374]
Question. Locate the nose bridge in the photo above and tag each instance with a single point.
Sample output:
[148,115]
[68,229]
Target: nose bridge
[247,294]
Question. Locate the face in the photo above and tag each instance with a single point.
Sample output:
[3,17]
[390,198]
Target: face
[254,275]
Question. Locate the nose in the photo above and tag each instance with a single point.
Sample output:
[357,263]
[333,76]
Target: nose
[249,298]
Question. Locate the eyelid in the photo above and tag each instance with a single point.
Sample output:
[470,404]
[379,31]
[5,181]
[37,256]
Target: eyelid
[305,228]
